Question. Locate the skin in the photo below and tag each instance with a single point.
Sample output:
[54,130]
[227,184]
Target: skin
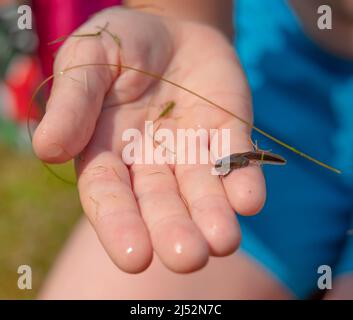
[338,40]
[215,13]
[341,288]
[133,211]
[130,208]
[84,271]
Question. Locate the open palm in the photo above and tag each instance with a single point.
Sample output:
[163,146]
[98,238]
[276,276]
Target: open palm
[182,211]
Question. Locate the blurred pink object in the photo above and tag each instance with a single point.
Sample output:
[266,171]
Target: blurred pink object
[56,18]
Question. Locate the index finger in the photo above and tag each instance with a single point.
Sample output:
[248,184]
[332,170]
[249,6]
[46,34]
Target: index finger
[75,102]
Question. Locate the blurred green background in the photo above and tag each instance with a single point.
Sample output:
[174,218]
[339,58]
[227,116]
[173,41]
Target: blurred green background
[37,212]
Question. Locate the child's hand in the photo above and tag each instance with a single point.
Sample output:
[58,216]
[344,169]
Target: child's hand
[133,209]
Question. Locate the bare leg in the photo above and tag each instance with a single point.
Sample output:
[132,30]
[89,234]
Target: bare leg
[342,288]
[84,271]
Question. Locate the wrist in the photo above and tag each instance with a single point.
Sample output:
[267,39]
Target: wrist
[214,13]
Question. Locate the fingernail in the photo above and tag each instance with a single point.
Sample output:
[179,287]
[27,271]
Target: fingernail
[54,150]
